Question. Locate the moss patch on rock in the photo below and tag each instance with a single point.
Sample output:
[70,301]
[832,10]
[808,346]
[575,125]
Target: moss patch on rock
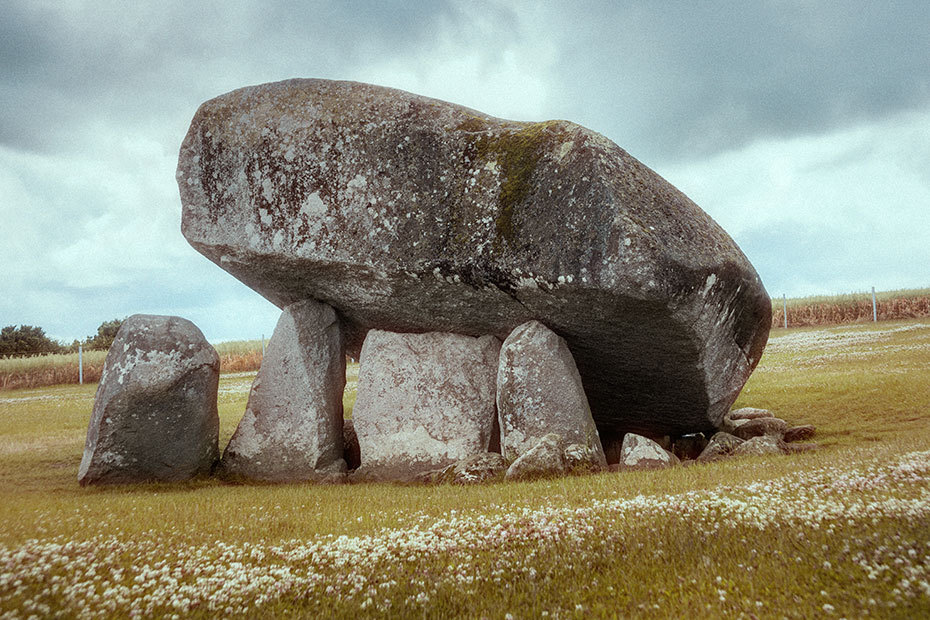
[517,152]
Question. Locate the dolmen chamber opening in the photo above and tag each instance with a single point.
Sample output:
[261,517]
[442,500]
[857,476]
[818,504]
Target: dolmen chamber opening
[515,292]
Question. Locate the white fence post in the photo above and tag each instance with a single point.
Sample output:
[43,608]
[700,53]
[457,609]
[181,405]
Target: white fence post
[874,307]
[80,365]
[784,300]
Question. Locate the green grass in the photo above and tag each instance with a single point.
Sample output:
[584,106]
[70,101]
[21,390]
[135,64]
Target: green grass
[843,531]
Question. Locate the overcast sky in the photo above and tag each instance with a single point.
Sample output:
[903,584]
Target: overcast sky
[802,127]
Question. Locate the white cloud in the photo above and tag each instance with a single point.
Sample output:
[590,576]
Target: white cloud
[863,191]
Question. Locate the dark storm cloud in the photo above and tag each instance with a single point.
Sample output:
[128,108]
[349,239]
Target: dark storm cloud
[65,67]
[682,80]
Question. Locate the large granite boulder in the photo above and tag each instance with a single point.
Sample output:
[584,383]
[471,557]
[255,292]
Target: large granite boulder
[425,401]
[410,214]
[292,426]
[154,416]
[539,391]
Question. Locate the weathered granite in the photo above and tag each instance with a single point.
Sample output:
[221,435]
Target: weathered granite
[720,445]
[800,433]
[154,415]
[760,426]
[640,452]
[292,426]
[474,470]
[424,401]
[578,459]
[413,215]
[760,445]
[539,391]
[750,413]
[546,458]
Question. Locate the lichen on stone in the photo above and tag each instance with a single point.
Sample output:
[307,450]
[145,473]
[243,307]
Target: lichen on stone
[517,152]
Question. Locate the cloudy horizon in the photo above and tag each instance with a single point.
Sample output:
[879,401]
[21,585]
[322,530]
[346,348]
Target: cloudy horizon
[802,128]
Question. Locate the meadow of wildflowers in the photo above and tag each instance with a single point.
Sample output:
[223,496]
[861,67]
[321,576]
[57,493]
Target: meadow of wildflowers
[840,532]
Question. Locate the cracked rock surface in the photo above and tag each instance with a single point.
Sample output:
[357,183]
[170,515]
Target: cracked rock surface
[410,214]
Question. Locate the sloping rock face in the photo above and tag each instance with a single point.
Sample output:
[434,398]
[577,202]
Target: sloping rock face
[292,426]
[154,415]
[539,391]
[410,214]
[425,401]
[643,453]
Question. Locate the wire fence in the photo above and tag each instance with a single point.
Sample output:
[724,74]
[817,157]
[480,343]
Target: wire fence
[853,308]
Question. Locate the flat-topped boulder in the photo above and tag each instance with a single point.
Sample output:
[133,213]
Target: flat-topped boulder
[409,214]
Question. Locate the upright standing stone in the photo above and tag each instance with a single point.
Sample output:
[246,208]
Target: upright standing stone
[154,415]
[292,427]
[425,401]
[539,391]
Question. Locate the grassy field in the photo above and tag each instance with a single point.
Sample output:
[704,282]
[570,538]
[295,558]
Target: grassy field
[840,532]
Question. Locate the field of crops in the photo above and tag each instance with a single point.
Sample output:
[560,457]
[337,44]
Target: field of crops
[57,369]
[851,308]
[840,532]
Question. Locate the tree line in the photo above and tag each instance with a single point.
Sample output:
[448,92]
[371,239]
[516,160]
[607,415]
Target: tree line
[28,340]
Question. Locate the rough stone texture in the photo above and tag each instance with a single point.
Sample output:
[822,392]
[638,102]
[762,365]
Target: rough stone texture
[760,445]
[689,447]
[761,426]
[750,413]
[546,458]
[154,415]
[292,426]
[539,391]
[720,445]
[475,469]
[350,449]
[578,459]
[640,452]
[738,417]
[413,215]
[800,433]
[424,401]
